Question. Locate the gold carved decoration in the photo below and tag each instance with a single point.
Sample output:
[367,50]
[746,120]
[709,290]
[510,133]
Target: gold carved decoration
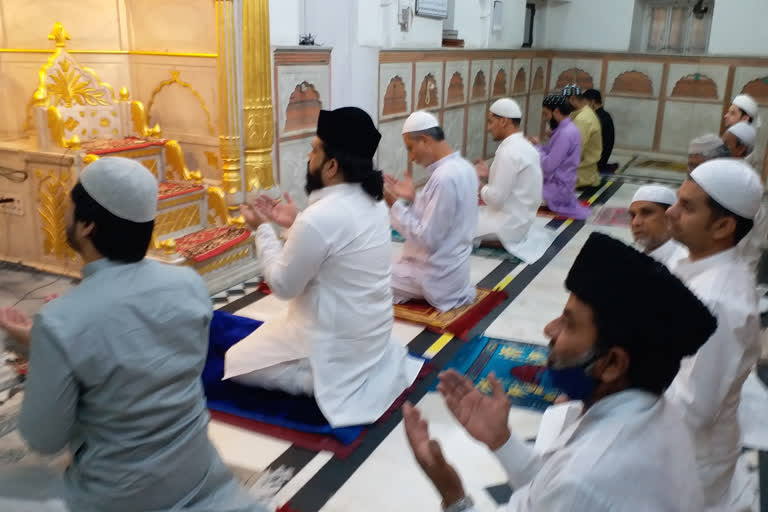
[176,166]
[175,80]
[164,204]
[140,123]
[69,87]
[257,82]
[105,122]
[217,209]
[124,94]
[227,260]
[70,124]
[175,220]
[57,130]
[90,158]
[152,166]
[53,191]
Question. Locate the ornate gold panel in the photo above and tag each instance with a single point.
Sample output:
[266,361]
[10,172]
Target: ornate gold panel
[53,190]
[153,166]
[226,260]
[175,220]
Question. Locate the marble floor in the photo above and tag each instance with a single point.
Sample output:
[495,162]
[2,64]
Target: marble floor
[382,474]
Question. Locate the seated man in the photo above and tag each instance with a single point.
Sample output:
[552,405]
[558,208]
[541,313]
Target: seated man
[335,339]
[115,364]
[740,139]
[744,109]
[608,355]
[438,222]
[514,183]
[591,137]
[560,159]
[650,227]
[706,147]
[595,102]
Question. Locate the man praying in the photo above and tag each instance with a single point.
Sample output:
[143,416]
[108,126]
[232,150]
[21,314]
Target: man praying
[744,109]
[595,102]
[650,226]
[438,222]
[629,450]
[706,147]
[512,192]
[740,139]
[334,341]
[588,124]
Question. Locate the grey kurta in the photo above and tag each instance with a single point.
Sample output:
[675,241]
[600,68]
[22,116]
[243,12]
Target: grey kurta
[114,375]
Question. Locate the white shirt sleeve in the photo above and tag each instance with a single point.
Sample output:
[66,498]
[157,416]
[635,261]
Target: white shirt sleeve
[519,461]
[501,182]
[287,269]
[431,228]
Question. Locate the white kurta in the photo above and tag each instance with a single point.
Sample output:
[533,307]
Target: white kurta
[439,229]
[669,252]
[708,388]
[335,269]
[629,452]
[751,246]
[513,193]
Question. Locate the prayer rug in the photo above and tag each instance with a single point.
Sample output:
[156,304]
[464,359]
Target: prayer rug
[458,321]
[207,243]
[611,216]
[664,165]
[108,146]
[169,189]
[546,212]
[521,368]
[484,251]
[296,419]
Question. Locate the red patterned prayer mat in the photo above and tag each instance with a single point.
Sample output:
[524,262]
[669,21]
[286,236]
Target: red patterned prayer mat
[107,146]
[320,442]
[612,216]
[169,189]
[546,212]
[458,321]
[206,244]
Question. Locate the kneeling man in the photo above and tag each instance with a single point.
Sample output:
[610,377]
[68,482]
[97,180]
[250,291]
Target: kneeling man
[650,227]
[335,339]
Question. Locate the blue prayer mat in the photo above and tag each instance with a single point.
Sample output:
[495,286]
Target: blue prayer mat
[482,355]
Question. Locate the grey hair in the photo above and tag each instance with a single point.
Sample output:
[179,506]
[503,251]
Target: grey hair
[720,151]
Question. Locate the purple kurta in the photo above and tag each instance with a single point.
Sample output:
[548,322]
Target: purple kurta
[559,164]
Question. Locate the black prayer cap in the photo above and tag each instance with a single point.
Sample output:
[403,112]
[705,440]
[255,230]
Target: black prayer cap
[641,306]
[554,100]
[349,129]
[571,90]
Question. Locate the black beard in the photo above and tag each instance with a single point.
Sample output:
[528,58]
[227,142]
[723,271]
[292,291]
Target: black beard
[553,123]
[314,181]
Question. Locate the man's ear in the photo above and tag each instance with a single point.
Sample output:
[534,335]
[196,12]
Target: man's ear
[613,366]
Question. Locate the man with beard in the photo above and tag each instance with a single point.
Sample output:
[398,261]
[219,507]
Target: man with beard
[650,227]
[438,222]
[512,192]
[334,340]
[560,159]
[115,365]
[629,450]
[744,109]
[715,209]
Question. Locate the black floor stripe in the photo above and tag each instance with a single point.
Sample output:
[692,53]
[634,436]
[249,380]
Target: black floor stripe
[236,305]
[333,475]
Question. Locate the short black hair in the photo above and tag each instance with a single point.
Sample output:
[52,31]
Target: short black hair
[593,95]
[565,108]
[743,225]
[357,169]
[751,120]
[115,238]
[435,132]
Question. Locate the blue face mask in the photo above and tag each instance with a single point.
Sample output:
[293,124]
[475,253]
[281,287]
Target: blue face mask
[574,380]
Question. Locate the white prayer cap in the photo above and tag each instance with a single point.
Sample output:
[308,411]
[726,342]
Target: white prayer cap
[746,103]
[124,187]
[732,183]
[745,132]
[506,107]
[419,121]
[704,144]
[655,194]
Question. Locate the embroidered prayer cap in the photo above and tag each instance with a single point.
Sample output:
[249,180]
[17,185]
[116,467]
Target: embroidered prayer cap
[731,183]
[419,121]
[656,194]
[554,100]
[745,132]
[748,104]
[571,90]
[506,107]
[349,129]
[704,144]
[123,186]
[639,304]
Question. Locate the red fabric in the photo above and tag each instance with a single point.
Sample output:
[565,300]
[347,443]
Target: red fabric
[169,189]
[528,373]
[193,246]
[107,146]
[546,212]
[461,327]
[317,442]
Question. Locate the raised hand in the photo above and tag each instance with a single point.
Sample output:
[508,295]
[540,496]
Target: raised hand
[484,417]
[253,215]
[534,140]
[430,457]
[17,324]
[401,189]
[283,213]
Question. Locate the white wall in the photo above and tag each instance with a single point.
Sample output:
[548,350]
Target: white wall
[513,28]
[588,24]
[738,30]
[285,23]
[422,32]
